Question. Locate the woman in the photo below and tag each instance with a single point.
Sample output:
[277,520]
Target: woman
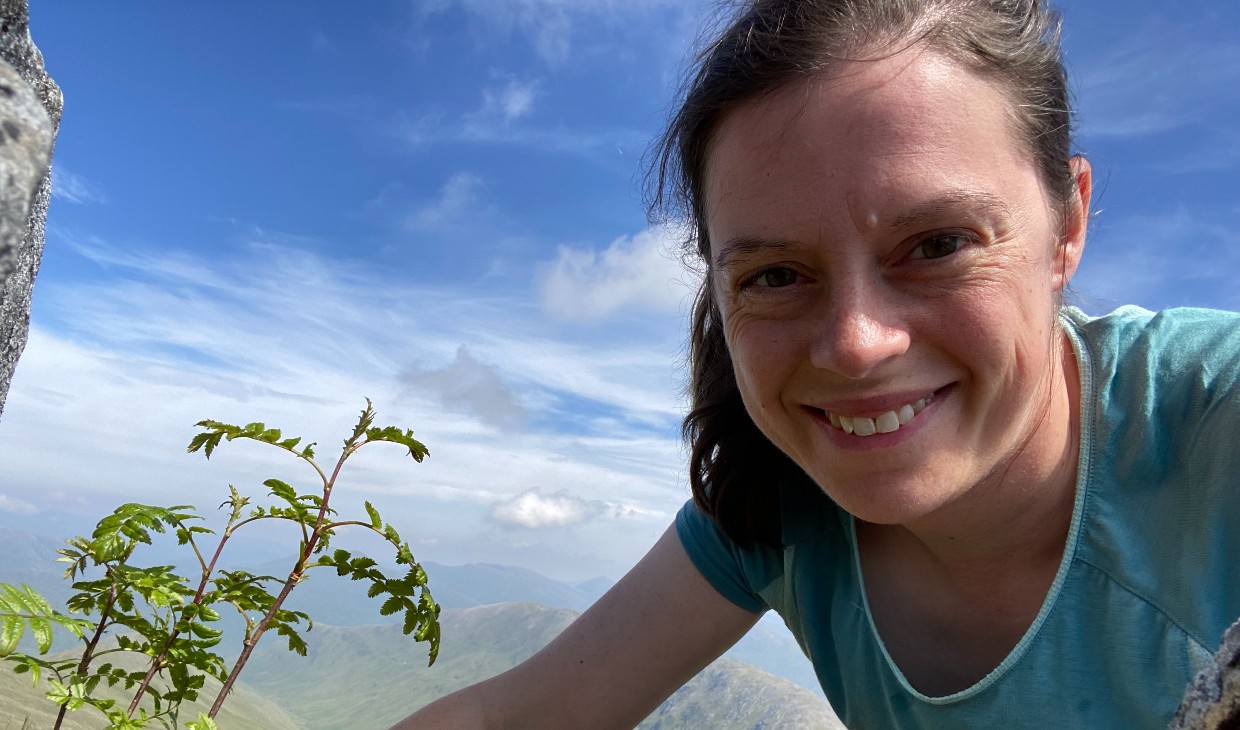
[972,506]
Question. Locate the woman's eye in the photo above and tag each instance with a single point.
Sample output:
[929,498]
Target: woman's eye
[775,278]
[936,247]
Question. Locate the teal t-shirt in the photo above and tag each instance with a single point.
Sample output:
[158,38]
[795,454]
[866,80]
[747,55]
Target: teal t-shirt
[1150,575]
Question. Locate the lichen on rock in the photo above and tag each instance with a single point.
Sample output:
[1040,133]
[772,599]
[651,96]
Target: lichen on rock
[30,106]
[1212,701]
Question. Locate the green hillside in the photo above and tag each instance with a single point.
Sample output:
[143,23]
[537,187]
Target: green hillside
[244,710]
[371,676]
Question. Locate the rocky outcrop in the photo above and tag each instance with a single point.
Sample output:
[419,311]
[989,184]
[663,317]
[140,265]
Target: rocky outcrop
[30,104]
[1212,701]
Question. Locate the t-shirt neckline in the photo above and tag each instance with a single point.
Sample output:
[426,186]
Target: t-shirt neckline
[1069,317]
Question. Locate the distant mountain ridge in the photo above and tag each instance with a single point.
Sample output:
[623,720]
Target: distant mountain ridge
[378,675]
[472,595]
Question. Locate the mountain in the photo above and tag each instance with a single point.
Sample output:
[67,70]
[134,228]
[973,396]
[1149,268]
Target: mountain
[376,675]
[342,602]
[330,600]
[244,710]
[26,551]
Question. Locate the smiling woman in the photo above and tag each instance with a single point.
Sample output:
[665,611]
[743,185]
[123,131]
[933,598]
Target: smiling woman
[972,505]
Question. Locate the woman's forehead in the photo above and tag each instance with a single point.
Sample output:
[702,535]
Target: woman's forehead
[877,135]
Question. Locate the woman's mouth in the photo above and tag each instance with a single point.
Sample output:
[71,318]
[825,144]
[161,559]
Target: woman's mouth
[888,422]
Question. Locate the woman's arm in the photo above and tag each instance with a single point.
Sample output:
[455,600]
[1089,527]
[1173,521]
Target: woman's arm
[612,667]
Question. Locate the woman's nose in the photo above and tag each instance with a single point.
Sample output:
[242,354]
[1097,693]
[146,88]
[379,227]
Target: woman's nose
[858,332]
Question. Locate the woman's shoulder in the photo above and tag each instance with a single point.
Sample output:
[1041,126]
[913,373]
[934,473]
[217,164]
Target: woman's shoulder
[1168,330]
[1169,349]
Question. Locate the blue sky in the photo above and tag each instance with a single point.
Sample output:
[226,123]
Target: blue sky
[269,211]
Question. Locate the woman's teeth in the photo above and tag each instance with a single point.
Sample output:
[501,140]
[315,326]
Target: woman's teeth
[888,422]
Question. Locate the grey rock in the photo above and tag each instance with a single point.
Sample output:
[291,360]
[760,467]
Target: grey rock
[1212,701]
[30,105]
[25,151]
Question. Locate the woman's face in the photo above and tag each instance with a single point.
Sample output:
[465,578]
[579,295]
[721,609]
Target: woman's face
[886,264]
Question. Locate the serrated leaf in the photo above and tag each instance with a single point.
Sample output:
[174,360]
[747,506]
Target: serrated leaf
[202,722]
[11,630]
[42,630]
[361,564]
[295,642]
[375,521]
[281,489]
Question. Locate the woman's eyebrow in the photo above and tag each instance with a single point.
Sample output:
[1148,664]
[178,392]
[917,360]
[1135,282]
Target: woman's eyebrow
[740,246]
[952,201]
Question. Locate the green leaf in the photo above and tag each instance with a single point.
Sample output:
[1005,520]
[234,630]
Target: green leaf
[392,434]
[392,605]
[281,490]
[359,566]
[205,441]
[295,642]
[11,630]
[375,521]
[42,630]
[202,722]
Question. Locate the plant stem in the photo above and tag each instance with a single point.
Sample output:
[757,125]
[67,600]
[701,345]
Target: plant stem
[293,579]
[252,641]
[89,652]
[157,662]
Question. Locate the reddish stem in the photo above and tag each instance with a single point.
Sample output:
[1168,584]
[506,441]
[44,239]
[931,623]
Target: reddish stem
[89,653]
[157,663]
[293,579]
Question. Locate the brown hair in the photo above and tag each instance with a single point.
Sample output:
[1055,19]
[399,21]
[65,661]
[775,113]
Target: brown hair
[735,472]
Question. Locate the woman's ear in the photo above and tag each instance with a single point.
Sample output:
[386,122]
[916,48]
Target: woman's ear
[1075,222]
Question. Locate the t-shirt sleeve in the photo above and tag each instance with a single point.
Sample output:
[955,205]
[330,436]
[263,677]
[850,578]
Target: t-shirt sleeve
[726,566]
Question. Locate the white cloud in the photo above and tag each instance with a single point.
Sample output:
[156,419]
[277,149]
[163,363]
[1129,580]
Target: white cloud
[457,199]
[1163,76]
[73,188]
[1159,261]
[638,273]
[534,510]
[552,27]
[513,100]
[118,368]
[17,506]
[470,386]
[502,117]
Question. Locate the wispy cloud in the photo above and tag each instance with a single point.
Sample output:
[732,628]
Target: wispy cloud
[458,199]
[635,273]
[1158,261]
[550,26]
[509,102]
[503,115]
[470,386]
[1162,77]
[17,506]
[74,188]
[119,367]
